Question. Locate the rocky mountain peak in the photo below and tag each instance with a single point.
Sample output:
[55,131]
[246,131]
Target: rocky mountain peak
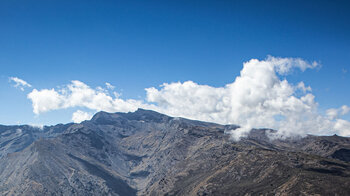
[149,153]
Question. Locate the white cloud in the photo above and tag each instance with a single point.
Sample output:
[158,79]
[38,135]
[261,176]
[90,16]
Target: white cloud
[333,113]
[302,87]
[344,109]
[343,126]
[256,98]
[80,116]
[39,126]
[45,100]
[78,94]
[19,83]
[239,133]
[109,86]
[285,65]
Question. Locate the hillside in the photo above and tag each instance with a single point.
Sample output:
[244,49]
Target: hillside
[148,153]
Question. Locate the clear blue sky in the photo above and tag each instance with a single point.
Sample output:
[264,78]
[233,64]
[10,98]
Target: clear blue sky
[138,44]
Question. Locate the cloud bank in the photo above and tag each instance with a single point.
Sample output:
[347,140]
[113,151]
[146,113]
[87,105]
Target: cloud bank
[19,83]
[257,98]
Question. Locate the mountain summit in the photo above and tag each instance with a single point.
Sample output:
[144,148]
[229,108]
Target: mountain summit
[148,153]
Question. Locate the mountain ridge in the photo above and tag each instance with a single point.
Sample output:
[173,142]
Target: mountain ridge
[149,153]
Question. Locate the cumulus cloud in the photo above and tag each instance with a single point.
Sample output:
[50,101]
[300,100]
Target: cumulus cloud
[19,83]
[45,100]
[254,99]
[303,88]
[80,116]
[260,97]
[78,94]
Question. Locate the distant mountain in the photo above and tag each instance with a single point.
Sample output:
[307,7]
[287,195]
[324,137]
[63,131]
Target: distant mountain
[148,153]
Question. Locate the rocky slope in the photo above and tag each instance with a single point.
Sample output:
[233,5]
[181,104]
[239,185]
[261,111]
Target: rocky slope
[147,153]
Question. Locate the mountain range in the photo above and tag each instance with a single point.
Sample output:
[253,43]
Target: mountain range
[148,153]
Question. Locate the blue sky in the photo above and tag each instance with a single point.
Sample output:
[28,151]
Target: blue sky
[140,44]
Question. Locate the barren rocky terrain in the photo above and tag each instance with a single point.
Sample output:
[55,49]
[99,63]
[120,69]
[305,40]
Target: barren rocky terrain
[148,153]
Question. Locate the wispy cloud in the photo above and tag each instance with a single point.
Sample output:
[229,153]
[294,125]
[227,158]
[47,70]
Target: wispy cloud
[19,83]
[254,99]
[334,113]
[109,86]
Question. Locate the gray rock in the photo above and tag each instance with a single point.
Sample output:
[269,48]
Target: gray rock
[148,153]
